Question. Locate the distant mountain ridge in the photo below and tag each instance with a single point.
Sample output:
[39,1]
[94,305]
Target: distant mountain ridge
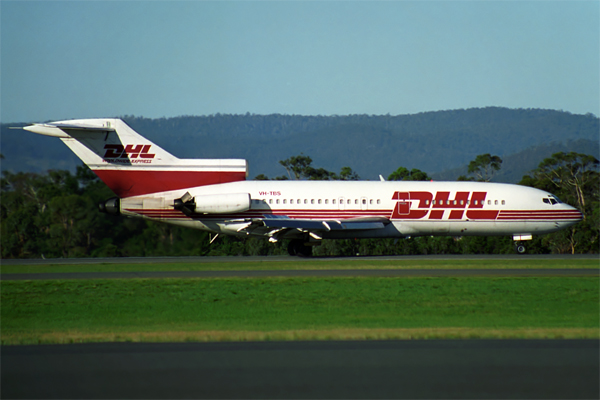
[439,143]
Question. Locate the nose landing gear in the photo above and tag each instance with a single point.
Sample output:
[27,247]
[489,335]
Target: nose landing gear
[519,246]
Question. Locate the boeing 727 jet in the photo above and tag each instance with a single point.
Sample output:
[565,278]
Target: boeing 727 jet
[214,195]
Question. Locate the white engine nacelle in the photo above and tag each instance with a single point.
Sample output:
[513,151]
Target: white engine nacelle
[222,203]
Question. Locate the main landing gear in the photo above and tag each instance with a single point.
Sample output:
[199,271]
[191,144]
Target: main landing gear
[298,248]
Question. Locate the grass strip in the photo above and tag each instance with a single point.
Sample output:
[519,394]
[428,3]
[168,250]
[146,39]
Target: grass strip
[71,337]
[298,309]
[312,264]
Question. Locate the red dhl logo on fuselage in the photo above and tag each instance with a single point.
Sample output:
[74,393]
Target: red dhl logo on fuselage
[128,151]
[417,205]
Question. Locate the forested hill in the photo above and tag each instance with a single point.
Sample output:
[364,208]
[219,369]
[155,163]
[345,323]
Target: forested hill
[433,142]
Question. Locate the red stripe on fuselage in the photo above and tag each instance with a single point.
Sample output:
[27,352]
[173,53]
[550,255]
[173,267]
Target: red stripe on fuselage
[308,214]
[127,183]
[437,215]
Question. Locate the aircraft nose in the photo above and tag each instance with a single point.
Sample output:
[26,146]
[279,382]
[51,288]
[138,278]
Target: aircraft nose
[574,213]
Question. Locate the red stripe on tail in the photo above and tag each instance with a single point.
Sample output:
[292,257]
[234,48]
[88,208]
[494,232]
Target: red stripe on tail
[127,183]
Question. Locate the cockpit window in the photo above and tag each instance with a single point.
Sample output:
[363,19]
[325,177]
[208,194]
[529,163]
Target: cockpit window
[551,199]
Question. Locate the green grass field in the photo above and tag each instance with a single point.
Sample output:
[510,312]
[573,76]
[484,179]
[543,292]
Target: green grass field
[66,311]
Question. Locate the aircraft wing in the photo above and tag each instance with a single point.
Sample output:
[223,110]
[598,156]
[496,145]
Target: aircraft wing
[324,225]
[277,227]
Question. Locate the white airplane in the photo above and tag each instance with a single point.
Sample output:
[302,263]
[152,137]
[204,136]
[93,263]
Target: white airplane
[214,195]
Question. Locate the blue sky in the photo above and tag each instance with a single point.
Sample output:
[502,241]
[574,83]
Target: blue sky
[85,59]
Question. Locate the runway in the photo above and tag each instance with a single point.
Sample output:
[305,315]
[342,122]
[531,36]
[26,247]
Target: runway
[243,259]
[308,273]
[432,369]
[300,272]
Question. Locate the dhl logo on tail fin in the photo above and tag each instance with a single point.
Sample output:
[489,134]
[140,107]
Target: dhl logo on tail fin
[120,151]
[130,164]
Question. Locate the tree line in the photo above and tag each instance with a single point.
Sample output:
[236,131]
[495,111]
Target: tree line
[55,215]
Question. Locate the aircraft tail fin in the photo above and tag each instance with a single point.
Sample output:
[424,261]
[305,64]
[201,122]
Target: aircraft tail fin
[132,165]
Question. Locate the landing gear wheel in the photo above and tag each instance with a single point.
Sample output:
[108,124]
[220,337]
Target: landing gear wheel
[297,248]
[305,251]
[520,248]
[292,248]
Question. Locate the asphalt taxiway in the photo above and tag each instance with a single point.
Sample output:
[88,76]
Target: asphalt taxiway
[430,369]
[275,259]
[404,272]
[307,273]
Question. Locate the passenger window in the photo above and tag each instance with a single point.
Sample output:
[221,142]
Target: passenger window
[312,201]
[378,201]
[284,201]
[348,201]
[364,201]
[503,202]
[333,201]
[496,202]
[270,201]
[489,202]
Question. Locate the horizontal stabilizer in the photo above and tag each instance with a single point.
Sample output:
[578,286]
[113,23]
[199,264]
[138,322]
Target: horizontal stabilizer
[61,129]
[84,127]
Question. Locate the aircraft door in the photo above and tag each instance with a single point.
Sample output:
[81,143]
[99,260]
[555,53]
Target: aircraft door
[403,207]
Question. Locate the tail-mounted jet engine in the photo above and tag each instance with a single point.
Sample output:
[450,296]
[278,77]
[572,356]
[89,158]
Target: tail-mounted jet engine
[213,203]
[185,204]
[110,206]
